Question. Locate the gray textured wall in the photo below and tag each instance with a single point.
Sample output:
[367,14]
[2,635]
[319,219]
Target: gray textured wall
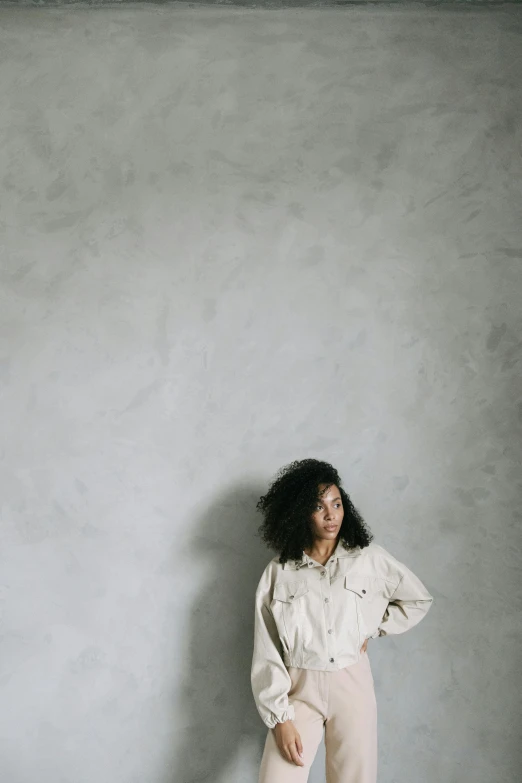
[232,238]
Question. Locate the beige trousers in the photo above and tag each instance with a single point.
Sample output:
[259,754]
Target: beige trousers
[342,703]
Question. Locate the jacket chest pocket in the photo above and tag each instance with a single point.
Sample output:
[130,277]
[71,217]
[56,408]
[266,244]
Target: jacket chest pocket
[369,594]
[289,610]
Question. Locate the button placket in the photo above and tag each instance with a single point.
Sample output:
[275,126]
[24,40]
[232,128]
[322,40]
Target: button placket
[330,630]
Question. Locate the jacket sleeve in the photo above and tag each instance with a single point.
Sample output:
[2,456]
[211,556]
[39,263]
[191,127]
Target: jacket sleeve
[269,676]
[408,604]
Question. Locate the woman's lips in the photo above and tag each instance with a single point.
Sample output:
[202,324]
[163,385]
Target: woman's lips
[331,527]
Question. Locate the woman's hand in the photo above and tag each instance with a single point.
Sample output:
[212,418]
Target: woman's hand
[365,645]
[289,742]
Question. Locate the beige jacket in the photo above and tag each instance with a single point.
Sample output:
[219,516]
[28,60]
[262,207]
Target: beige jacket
[317,617]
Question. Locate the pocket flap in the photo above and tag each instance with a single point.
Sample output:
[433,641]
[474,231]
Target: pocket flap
[357,585]
[289,591]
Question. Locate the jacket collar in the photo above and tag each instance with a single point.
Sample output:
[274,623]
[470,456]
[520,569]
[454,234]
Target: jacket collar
[305,560]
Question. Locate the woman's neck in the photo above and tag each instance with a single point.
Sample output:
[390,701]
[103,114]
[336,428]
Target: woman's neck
[321,550]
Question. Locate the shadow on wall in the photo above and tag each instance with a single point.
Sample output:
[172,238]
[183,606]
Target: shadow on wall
[216,705]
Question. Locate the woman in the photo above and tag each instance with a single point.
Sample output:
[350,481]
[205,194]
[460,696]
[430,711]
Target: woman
[328,591]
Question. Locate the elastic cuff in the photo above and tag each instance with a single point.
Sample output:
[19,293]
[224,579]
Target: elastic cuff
[288,714]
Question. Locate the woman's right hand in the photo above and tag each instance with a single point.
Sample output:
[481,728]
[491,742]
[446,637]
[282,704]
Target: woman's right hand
[289,742]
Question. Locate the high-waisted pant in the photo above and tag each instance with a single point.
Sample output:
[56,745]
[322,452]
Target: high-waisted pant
[342,703]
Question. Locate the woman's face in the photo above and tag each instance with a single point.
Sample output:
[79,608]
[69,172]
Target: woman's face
[328,514]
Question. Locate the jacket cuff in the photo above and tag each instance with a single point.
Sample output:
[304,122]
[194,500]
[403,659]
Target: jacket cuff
[273,719]
[375,634]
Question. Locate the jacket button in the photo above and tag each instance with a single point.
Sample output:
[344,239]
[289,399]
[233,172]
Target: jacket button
[330,630]
[364,591]
[290,596]
[323,573]
[326,600]
[331,660]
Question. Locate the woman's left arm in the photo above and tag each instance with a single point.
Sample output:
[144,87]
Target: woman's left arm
[408,604]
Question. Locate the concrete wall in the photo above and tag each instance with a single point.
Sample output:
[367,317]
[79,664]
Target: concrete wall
[232,238]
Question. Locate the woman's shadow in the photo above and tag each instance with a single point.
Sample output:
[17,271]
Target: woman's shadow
[219,735]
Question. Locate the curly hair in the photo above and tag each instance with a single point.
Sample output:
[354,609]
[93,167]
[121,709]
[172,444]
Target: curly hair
[290,502]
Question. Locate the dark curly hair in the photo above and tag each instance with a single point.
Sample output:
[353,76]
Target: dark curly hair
[290,501]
